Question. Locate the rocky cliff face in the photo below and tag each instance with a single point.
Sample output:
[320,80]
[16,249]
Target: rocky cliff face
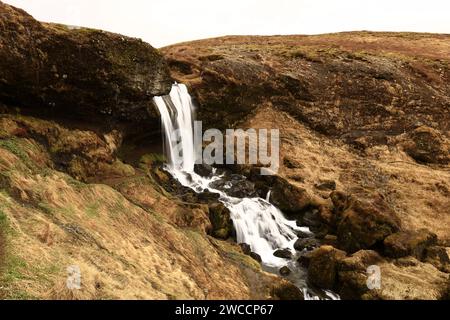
[77,71]
[364,122]
[363,87]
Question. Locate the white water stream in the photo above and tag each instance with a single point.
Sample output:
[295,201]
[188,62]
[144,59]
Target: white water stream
[257,222]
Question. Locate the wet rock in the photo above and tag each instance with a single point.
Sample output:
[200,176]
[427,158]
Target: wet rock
[283,253]
[326,185]
[409,243]
[246,249]
[310,219]
[438,257]
[307,244]
[323,266]
[220,218]
[203,170]
[208,197]
[302,234]
[255,257]
[363,224]
[238,186]
[304,259]
[285,271]
[78,70]
[289,198]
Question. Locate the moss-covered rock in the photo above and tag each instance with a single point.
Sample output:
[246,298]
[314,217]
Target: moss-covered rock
[323,266]
[222,225]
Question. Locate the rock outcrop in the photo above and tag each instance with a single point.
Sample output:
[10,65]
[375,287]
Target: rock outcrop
[77,71]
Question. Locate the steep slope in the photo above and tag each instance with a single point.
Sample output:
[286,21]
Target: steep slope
[364,122]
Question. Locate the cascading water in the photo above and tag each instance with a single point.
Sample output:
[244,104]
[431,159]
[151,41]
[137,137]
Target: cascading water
[257,222]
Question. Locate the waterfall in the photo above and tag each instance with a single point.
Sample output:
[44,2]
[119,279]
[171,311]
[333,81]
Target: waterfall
[257,222]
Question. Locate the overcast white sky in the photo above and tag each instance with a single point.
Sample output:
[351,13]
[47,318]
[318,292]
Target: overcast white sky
[164,22]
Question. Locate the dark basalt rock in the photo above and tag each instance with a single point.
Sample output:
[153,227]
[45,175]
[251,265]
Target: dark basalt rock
[208,197]
[306,244]
[283,253]
[235,186]
[285,271]
[77,71]
[255,257]
[203,170]
[247,250]
[304,259]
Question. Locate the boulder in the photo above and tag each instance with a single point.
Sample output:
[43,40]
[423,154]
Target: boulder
[63,69]
[353,275]
[208,197]
[289,198]
[409,243]
[222,225]
[307,244]
[255,256]
[235,186]
[283,253]
[246,249]
[428,145]
[323,266]
[285,271]
[363,224]
[286,291]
